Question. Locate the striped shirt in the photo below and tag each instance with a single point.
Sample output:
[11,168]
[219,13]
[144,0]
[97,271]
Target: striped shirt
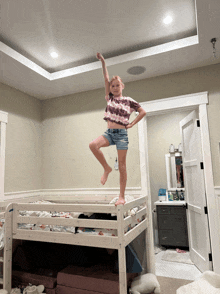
[119,110]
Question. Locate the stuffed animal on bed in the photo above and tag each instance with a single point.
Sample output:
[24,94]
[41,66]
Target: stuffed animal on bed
[145,284]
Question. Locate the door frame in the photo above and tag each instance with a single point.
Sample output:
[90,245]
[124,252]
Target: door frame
[182,103]
[3,123]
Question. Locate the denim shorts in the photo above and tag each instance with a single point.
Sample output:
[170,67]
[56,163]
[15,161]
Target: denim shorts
[118,137]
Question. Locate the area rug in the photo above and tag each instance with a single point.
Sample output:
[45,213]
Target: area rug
[170,285]
[208,283]
[173,256]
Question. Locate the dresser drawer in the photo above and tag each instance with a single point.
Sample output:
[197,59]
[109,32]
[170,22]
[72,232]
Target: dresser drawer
[165,222]
[163,209]
[180,210]
[166,237]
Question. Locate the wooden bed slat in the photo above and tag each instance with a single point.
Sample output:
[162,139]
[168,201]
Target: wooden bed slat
[92,208]
[61,221]
[131,219]
[68,238]
[133,233]
[134,203]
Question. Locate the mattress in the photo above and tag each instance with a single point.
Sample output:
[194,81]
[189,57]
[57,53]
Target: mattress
[68,290]
[20,278]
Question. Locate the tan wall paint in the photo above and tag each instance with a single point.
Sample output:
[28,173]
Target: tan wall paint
[69,125]
[23,140]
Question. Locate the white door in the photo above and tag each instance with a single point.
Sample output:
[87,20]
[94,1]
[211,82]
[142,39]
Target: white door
[198,229]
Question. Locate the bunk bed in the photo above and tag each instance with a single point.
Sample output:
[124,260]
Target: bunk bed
[126,228]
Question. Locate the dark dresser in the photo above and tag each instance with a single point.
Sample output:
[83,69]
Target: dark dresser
[172,225]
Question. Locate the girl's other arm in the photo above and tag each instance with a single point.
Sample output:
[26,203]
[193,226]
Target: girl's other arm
[141,114]
[105,74]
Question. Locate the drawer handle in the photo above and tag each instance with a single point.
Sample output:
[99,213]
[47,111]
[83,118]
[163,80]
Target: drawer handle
[164,238]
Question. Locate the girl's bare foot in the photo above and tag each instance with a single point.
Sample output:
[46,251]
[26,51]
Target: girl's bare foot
[105,175]
[120,201]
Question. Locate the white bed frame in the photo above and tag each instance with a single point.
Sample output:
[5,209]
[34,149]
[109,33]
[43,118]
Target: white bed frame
[75,204]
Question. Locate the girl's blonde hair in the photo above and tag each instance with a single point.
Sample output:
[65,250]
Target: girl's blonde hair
[116,78]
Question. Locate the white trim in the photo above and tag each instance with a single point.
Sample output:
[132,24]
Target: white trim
[3,123]
[22,194]
[185,42]
[192,101]
[142,132]
[145,184]
[213,214]
[70,192]
[86,191]
[3,117]
[168,171]
[185,101]
[217,191]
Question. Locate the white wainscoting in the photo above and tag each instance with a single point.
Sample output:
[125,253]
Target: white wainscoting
[65,193]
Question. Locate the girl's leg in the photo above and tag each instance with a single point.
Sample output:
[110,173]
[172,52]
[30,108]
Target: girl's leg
[95,146]
[123,175]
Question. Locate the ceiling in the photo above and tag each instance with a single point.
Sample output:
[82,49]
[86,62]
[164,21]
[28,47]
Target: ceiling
[129,33]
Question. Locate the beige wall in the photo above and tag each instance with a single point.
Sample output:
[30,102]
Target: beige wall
[23,140]
[70,123]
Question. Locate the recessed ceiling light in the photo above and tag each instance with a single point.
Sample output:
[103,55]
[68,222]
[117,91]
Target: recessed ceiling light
[54,54]
[168,19]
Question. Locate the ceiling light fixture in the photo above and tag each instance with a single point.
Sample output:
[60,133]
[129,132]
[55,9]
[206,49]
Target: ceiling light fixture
[54,54]
[168,19]
[136,70]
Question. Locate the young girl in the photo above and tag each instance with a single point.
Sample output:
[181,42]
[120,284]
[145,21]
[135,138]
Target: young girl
[117,115]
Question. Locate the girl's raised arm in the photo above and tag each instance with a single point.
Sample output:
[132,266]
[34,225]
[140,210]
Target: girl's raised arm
[105,74]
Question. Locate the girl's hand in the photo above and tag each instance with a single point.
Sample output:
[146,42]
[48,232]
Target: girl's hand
[129,126]
[99,56]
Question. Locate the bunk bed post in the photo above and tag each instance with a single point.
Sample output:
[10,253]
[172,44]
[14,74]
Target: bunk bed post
[7,269]
[121,251]
[149,237]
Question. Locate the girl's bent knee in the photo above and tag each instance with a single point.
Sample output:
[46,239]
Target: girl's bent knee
[93,145]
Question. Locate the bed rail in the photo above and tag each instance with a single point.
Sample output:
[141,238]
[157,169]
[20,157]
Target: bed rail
[119,242]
